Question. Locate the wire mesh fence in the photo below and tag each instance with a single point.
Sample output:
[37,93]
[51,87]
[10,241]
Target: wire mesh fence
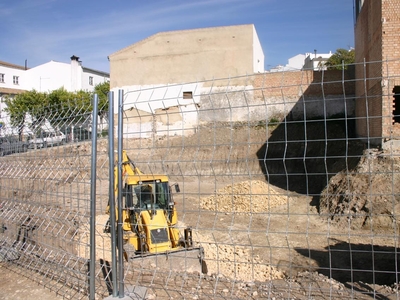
[285,192]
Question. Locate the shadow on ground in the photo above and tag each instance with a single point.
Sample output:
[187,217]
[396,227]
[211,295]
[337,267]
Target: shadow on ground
[302,156]
[316,139]
[349,262]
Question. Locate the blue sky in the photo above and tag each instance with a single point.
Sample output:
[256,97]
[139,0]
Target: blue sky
[42,30]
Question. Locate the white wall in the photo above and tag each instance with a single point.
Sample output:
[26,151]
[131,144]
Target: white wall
[258,54]
[97,79]
[8,77]
[316,61]
[48,77]
[51,76]
[154,100]
[150,98]
[296,62]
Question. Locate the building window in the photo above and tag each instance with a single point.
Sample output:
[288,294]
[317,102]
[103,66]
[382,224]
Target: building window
[90,80]
[187,95]
[1,78]
[396,104]
[15,79]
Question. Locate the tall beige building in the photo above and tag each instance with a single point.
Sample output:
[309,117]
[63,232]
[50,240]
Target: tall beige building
[188,56]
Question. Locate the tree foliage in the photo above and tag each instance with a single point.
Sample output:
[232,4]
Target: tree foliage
[342,58]
[59,107]
[102,90]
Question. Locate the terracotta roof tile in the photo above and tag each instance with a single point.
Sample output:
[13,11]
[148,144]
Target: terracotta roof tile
[11,91]
[9,65]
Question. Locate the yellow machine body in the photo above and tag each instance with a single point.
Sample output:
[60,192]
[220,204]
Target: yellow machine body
[149,218]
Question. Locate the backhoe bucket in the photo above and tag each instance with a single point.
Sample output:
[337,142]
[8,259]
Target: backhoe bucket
[183,260]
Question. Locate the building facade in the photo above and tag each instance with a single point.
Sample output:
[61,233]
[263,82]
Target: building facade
[50,76]
[15,79]
[165,75]
[188,56]
[377,38]
[316,61]
[308,61]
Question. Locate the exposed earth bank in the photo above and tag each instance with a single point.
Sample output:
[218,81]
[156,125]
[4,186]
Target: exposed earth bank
[325,228]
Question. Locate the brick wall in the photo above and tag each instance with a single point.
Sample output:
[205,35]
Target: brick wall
[310,83]
[307,94]
[377,69]
[391,53]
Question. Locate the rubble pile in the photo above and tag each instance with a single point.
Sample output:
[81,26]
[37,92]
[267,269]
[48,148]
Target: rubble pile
[236,262]
[253,196]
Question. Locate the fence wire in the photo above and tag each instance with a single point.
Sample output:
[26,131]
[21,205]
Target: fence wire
[289,182]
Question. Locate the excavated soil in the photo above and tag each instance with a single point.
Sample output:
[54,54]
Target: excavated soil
[280,220]
[253,196]
[367,196]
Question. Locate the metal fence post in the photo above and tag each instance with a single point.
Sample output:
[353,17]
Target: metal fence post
[119,227]
[111,192]
[93,200]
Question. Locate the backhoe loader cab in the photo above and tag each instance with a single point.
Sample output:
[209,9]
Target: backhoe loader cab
[149,220]
[148,195]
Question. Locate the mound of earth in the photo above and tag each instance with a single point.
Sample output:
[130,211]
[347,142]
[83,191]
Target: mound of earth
[367,196]
[251,196]
[235,262]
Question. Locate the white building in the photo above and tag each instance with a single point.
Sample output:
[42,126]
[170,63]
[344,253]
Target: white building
[308,61]
[15,79]
[316,61]
[49,76]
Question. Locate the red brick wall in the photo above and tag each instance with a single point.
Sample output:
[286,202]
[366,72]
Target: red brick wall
[391,70]
[309,83]
[377,56]
[307,94]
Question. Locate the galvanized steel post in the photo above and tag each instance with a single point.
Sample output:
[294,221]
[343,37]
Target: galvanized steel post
[93,200]
[111,199]
[120,220]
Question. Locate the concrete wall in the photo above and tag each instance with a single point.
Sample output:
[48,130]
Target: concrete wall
[188,56]
[159,110]
[162,110]
[258,54]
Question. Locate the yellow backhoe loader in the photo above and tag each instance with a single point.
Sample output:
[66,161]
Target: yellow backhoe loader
[151,236]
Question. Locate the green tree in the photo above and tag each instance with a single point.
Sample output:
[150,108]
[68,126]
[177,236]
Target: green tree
[26,103]
[341,58]
[60,107]
[102,90]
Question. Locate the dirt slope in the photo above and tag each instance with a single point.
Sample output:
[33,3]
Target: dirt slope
[367,196]
[261,240]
